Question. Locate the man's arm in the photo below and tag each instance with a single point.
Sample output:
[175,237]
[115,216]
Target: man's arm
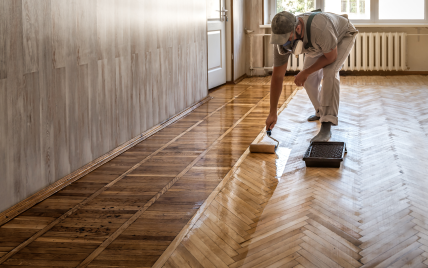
[322,61]
[275,92]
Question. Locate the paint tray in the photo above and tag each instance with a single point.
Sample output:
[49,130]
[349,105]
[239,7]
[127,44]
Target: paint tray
[325,154]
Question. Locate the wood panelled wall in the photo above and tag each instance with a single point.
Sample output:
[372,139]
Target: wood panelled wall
[80,77]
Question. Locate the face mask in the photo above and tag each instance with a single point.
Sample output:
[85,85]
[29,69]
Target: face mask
[298,47]
[290,44]
[295,46]
[287,44]
[285,48]
[282,50]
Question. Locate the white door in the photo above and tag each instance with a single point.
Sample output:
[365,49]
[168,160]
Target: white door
[216,27]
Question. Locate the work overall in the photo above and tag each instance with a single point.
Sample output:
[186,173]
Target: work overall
[325,97]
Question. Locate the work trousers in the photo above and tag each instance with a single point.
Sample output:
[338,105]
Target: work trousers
[325,97]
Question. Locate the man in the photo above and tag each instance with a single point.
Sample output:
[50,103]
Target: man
[326,44]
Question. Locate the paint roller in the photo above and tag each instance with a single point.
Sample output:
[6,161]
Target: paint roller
[265,148]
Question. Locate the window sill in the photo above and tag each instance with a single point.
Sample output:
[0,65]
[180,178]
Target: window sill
[363,25]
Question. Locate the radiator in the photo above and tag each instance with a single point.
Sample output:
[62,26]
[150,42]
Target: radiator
[371,52]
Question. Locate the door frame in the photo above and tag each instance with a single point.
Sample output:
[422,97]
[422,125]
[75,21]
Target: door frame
[230,58]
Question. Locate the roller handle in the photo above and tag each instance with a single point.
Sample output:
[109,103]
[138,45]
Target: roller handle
[269,133]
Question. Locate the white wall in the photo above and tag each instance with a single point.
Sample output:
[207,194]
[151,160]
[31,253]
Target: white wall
[417,46]
[239,38]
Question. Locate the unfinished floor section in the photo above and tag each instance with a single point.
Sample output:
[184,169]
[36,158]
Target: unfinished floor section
[371,212]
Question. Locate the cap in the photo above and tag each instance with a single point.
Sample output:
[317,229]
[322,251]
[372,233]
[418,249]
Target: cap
[282,25]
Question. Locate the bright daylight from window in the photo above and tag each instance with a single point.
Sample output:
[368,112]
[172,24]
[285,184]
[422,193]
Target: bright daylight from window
[295,6]
[356,9]
[401,10]
[359,9]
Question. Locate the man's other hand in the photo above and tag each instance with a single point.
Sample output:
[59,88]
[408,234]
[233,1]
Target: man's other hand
[300,78]
[271,121]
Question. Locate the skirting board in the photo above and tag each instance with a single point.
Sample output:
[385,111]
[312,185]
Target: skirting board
[381,73]
[240,79]
[237,80]
[372,73]
[41,195]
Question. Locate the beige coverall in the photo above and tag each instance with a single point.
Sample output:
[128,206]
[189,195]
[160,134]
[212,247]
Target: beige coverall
[325,97]
[327,31]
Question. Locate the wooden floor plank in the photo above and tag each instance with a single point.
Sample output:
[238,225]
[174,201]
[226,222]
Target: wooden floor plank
[303,261]
[370,211]
[271,211]
[120,195]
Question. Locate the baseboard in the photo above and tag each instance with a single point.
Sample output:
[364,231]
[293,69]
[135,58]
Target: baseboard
[240,79]
[41,195]
[216,88]
[372,73]
[237,80]
[381,73]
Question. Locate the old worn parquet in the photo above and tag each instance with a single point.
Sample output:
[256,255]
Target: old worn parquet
[369,213]
[128,211]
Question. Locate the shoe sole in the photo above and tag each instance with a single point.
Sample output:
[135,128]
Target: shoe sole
[314,119]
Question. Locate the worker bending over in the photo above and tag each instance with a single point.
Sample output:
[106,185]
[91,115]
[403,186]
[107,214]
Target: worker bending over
[326,39]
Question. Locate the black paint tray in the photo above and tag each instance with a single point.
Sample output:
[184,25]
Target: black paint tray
[325,154]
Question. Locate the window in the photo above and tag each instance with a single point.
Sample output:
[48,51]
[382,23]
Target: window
[395,10]
[356,9]
[295,6]
[359,11]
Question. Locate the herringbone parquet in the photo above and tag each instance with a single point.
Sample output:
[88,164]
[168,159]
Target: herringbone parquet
[372,212]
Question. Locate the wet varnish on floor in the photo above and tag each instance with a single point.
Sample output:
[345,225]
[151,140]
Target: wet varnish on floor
[127,212]
[192,195]
[369,213]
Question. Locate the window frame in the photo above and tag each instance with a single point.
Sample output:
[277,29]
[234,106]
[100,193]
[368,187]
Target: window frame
[374,15]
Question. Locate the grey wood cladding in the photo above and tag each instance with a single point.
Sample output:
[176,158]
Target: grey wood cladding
[80,77]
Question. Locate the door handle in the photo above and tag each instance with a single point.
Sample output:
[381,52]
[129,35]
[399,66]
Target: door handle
[223,15]
[222,10]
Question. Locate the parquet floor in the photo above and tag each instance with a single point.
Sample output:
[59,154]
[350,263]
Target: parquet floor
[192,195]
[372,212]
[128,211]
